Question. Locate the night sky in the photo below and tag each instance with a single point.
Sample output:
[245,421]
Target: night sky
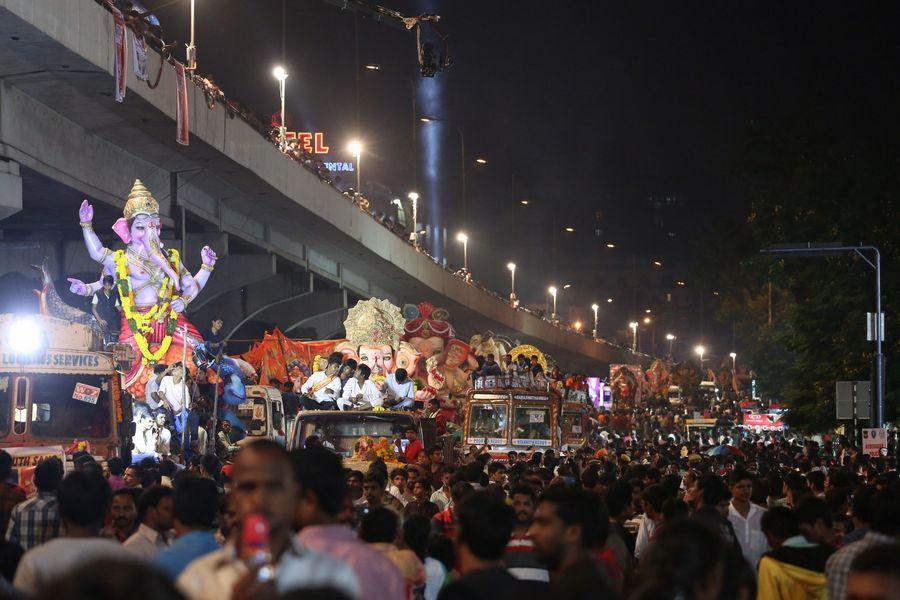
[591,106]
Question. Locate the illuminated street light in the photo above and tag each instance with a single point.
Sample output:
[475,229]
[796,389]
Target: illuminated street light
[567,286]
[355,147]
[414,198]
[681,283]
[512,284]
[648,311]
[656,263]
[462,237]
[733,356]
[553,291]
[700,350]
[373,67]
[634,328]
[577,326]
[671,338]
[524,202]
[570,230]
[609,300]
[646,320]
[281,75]
[481,161]
[595,307]
[610,246]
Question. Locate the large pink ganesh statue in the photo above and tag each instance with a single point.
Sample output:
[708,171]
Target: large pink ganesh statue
[373,330]
[154,286]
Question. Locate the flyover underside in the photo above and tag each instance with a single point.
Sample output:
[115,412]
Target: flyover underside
[59,120]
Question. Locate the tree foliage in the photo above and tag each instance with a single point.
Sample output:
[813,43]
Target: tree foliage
[805,185]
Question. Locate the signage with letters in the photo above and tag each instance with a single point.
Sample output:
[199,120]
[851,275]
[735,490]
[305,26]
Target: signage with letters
[55,361]
[86,393]
[875,442]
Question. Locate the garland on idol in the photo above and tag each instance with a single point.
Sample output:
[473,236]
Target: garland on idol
[141,323]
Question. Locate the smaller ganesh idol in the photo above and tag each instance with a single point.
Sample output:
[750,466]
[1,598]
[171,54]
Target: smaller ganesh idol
[427,329]
[373,329]
[154,285]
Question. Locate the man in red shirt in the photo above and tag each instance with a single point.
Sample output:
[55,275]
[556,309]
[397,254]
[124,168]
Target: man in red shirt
[413,448]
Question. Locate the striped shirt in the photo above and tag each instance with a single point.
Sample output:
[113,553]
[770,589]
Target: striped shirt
[837,569]
[521,562]
[34,521]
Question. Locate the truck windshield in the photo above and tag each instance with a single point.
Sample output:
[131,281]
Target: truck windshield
[487,424]
[341,431]
[56,414]
[532,426]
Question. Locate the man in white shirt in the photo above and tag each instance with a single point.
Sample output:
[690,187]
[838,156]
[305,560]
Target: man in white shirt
[399,388]
[745,517]
[322,389]
[82,500]
[652,498]
[360,393]
[173,393]
[155,515]
[264,483]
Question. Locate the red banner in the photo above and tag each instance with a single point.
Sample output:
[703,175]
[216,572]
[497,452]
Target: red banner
[764,421]
[183,135]
[119,64]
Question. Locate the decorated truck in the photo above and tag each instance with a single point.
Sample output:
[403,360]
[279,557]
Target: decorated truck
[58,395]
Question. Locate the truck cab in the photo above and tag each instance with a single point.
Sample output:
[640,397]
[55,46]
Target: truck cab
[262,414]
[512,419]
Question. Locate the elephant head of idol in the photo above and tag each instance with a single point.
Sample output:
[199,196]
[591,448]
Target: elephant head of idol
[373,329]
[139,227]
[427,329]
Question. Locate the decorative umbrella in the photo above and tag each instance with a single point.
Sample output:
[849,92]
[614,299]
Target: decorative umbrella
[724,450]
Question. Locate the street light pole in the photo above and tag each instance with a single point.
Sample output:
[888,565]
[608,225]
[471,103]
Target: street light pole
[512,283]
[634,328]
[553,292]
[810,249]
[671,338]
[462,237]
[281,75]
[191,48]
[733,356]
[595,307]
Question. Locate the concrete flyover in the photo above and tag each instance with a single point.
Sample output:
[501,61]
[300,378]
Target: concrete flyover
[268,215]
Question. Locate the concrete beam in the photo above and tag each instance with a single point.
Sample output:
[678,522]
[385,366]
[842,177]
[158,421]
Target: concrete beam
[10,188]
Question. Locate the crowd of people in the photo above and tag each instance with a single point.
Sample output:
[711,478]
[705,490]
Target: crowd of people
[631,516]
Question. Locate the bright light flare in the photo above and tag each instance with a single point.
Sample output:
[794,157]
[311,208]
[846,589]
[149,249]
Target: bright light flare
[700,350]
[670,336]
[413,196]
[511,266]
[355,147]
[24,336]
[462,237]
[279,73]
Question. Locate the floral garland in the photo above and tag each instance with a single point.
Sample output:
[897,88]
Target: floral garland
[142,323]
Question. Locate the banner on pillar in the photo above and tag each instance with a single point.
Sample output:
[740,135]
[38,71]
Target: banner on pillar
[139,57]
[119,65]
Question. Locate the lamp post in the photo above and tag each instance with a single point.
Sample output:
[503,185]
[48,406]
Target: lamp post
[414,236]
[595,307]
[512,283]
[634,327]
[733,356]
[191,48]
[671,338]
[281,75]
[552,289]
[355,148]
[462,237]
[700,350]
[810,249]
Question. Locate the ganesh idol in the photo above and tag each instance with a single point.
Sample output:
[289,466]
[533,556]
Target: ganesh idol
[154,286]
[374,328]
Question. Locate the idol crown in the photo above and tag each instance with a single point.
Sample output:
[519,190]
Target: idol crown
[140,201]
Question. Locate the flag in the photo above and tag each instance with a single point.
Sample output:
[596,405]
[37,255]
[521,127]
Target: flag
[183,134]
[139,56]
[119,65]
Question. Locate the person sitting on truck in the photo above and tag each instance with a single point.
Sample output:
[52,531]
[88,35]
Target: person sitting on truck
[399,388]
[414,447]
[322,389]
[360,393]
[490,367]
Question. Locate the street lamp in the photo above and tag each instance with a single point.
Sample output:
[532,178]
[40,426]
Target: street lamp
[414,235]
[733,356]
[512,284]
[671,338]
[595,307]
[462,237]
[191,48]
[552,289]
[577,326]
[355,147]
[646,320]
[481,161]
[810,249]
[634,328]
[281,75]
[700,350]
